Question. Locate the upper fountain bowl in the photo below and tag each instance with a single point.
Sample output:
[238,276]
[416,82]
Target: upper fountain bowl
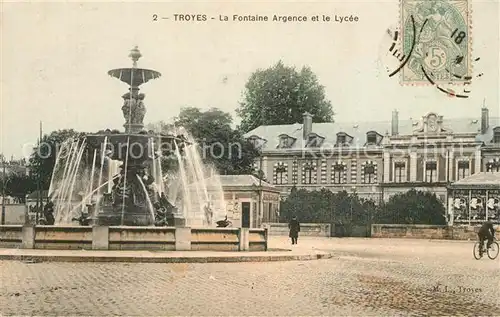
[134,76]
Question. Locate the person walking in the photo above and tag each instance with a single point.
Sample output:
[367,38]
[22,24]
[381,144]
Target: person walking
[294,227]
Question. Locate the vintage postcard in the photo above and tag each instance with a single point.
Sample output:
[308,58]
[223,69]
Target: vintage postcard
[249,158]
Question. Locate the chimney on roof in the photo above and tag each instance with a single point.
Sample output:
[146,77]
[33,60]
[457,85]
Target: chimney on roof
[485,119]
[394,123]
[307,124]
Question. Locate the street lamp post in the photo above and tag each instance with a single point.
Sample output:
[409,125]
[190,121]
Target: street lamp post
[352,198]
[261,159]
[3,189]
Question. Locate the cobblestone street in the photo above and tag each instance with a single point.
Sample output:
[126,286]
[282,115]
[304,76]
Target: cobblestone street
[365,277]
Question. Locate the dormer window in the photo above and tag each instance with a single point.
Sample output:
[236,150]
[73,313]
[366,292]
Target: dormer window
[496,135]
[285,141]
[342,139]
[256,141]
[371,138]
[314,140]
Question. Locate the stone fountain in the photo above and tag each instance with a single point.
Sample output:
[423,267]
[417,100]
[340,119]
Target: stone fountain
[135,177]
[134,200]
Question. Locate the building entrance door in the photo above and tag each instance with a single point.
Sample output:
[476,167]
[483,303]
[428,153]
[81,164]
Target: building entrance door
[245,215]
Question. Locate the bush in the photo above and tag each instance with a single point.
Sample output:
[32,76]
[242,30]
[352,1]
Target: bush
[412,207]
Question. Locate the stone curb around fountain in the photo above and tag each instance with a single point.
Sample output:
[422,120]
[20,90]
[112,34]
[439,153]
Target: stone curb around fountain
[35,256]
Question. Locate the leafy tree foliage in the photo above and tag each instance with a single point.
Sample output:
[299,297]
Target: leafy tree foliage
[18,185]
[220,144]
[43,158]
[280,95]
[413,207]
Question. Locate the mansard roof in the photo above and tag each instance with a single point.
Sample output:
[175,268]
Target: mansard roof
[358,130]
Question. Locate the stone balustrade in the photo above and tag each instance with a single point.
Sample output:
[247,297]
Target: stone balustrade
[133,238]
[306,229]
[426,232]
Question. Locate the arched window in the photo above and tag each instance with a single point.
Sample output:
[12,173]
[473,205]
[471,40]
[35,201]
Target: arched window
[309,172]
[339,173]
[280,173]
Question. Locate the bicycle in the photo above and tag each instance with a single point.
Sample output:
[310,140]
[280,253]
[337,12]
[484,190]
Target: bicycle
[492,251]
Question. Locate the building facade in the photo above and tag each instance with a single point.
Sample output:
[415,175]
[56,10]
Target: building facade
[378,159]
[249,202]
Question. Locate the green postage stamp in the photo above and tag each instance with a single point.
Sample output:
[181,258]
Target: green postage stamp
[436,39]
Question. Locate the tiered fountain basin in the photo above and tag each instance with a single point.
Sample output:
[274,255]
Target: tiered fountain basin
[135,152]
[133,238]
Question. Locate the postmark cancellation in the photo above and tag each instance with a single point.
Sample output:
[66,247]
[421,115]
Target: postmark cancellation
[436,39]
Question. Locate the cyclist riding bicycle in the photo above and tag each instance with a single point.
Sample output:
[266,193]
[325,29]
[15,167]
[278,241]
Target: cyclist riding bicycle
[486,232]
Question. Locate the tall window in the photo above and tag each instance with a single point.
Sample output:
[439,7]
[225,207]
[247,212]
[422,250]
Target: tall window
[309,170]
[281,171]
[430,171]
[463,169]
[399,172]
[369,173]
[338,173]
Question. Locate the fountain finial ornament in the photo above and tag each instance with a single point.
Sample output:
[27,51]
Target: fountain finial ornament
[135,54]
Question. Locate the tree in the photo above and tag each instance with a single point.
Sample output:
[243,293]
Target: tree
[220,144]
[413,207]
[18,185]
[43,157]
[280,95]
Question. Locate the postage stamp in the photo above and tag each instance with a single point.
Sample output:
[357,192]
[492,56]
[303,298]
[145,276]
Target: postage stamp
[436,40]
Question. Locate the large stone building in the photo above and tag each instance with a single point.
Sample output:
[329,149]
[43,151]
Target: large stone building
[378,159]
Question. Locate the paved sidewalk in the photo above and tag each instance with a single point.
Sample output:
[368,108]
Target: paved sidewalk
[364,277]
[279,250]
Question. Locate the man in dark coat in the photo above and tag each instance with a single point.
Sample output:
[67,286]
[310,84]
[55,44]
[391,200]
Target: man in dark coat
[294,227]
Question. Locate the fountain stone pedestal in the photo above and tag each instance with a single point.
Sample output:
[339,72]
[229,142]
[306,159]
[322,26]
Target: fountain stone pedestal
[178,221]
[131,217]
